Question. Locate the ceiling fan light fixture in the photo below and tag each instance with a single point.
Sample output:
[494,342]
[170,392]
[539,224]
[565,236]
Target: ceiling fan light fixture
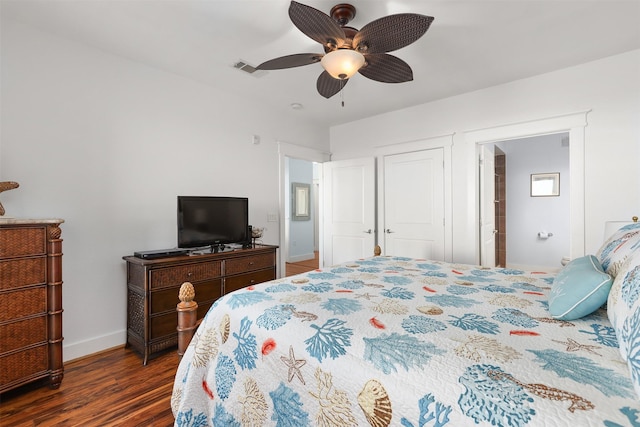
[342,63]
[348,50]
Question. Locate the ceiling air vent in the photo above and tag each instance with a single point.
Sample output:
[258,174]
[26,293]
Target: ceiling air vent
[247,68]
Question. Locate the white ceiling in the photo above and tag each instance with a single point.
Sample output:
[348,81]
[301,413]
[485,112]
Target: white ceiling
[472,44]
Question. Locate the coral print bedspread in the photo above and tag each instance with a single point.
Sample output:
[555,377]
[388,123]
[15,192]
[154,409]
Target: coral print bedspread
[402,342]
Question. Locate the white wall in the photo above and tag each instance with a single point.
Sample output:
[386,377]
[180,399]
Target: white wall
[610,88]
[107,144]
[526,215]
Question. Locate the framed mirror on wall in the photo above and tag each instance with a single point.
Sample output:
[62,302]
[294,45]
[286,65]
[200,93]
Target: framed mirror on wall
[545,184]
[300,201]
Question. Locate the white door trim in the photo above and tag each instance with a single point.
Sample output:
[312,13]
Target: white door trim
[286,149]
[574,124]
[442,141]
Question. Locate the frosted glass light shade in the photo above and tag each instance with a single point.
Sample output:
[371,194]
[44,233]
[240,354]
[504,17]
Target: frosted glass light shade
[342,63]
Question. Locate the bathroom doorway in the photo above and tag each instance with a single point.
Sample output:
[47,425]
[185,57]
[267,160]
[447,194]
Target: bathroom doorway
[529,232]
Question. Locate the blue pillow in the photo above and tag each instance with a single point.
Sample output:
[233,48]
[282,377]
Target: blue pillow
[579,289]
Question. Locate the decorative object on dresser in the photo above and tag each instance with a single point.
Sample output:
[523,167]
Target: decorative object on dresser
[6,186]
[153,286]
[30,302]
[256,233]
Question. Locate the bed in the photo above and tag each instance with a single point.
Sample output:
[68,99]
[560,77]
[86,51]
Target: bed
[410,342]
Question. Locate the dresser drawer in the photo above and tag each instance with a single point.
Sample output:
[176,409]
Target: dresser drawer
[23,333]
[167,299]
[208,291]
[172,276]
[22,241]
[16,273]
[163,324]
[249,263]
[243,280]
[21,304]
[24,364]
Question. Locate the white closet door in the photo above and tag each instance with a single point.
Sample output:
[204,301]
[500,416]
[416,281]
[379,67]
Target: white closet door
[414,204]
[349,210]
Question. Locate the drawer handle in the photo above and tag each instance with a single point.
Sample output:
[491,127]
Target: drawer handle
[252,282]
[189,274]
[251,263]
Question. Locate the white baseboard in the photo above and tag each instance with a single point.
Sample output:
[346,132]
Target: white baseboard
[75,350]
[303,257]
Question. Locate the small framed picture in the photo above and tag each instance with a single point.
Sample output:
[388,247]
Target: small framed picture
[545,184]
[300,202]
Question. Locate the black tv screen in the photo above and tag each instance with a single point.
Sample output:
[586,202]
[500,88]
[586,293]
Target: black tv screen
[206,220]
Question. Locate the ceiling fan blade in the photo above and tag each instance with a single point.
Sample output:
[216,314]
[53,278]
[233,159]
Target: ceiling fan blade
[290,61]
[317,25]
[328,86]
[386,68]
[391,32]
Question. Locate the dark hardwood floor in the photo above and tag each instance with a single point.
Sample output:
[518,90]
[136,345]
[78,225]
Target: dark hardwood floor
[294,268]
[110,388]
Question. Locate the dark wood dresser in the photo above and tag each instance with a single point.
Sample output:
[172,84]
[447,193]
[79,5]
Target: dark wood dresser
[30,302]
[153,285]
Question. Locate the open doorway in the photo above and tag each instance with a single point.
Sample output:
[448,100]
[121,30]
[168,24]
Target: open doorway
[293,268]
[286,152]
[530,231]
[571,124]
[301,216]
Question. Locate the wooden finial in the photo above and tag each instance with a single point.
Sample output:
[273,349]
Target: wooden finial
[187,293]
[187,310]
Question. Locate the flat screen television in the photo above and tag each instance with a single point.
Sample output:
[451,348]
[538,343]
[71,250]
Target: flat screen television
[212,221]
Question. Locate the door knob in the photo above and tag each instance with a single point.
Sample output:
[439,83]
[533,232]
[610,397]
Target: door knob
[389,231]
[368,231]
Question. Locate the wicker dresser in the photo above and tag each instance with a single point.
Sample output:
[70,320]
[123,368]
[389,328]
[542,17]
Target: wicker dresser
[153,287]
[30,302]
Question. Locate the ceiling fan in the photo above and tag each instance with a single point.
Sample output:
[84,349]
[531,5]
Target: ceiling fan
[348,50]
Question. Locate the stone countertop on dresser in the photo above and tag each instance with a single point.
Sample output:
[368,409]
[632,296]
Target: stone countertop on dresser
[8,221]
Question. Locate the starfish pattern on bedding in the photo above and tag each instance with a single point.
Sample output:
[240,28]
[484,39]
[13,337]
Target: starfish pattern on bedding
[366,296]
[573,345]
[294,365]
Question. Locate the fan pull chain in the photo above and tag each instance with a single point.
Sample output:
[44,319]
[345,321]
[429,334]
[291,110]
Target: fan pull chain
[342,92]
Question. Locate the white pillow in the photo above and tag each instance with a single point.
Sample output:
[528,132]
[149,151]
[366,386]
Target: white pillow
[623,297]
[613,253]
